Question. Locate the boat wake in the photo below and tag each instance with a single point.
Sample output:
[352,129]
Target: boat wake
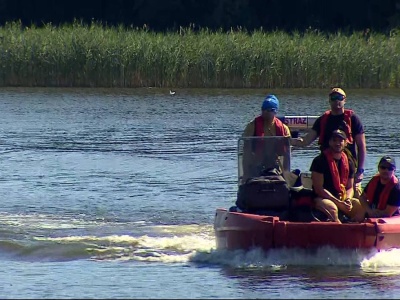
[39,237]
[49,238]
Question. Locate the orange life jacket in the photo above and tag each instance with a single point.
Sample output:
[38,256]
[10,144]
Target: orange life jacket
[259,126]
[384,196]
[339,180]
[347,119]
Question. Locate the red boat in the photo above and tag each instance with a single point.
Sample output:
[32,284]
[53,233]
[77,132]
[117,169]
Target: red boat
[237,229]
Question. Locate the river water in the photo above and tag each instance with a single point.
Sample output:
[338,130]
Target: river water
[111,193]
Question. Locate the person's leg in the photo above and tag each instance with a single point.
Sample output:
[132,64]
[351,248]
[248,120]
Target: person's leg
[357,212]
[327,207]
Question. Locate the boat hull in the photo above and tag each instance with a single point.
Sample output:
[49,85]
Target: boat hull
[235,230]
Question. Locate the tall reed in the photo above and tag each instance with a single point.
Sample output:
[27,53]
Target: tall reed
[98,56]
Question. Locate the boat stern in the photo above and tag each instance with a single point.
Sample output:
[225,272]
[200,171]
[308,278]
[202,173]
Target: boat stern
[235,230]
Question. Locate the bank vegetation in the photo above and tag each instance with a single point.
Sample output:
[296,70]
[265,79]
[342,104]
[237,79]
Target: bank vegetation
[79,55]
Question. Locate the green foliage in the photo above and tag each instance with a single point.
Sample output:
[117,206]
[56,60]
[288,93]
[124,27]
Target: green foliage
[98,56]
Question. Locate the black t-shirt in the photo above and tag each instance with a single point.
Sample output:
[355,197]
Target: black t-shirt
[337,122]
[320,165]
[394,195]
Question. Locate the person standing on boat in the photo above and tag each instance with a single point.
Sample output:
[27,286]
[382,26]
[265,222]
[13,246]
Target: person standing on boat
[266,124]
[345,119]
[381,195]
[332,175]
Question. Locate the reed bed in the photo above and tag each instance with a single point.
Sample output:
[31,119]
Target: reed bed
[78,55]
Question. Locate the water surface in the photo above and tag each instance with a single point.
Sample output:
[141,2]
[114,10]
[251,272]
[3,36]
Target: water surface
[112,194]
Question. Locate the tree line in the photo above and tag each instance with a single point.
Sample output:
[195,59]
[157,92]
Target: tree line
[171,15]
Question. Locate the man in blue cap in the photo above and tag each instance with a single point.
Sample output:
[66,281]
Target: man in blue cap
[267,124]
[260,154]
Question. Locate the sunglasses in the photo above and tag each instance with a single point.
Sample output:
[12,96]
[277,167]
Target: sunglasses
[270,109]
[336,97]
[386,168]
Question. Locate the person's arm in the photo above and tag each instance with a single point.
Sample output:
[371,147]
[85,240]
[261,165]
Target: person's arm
[318,185]
[387,212]
[249,129]
[361,151]
[349,188]
[306,140]
[286,130]
[358,130]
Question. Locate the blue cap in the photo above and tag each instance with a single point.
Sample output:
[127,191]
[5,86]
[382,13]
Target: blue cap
[270,102]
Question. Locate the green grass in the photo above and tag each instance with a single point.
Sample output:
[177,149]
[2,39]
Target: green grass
[80,55]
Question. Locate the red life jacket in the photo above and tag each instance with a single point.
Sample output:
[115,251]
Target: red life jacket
[339,180]
[384,196]
[347,119]
[259,126]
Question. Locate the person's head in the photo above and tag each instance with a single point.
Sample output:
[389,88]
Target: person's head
[386,167]
[270,106]
[337,140]
[337,99]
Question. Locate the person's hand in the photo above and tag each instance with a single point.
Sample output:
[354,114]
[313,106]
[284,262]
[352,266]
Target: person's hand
[296,141]
[345,205]
[359,176]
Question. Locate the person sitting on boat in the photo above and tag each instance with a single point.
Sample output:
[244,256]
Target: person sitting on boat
[381,195]
[332,176]
[266,124]
[347,120]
